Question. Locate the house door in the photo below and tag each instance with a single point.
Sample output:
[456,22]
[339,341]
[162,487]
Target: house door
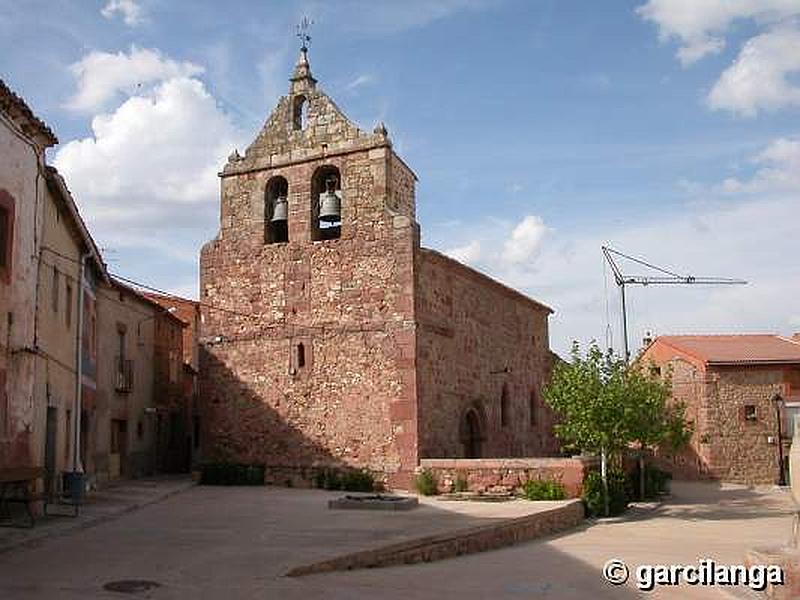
[50,448]
[119,448]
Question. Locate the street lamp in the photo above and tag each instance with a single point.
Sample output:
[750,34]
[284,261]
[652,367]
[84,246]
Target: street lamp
[169,310]
[779,403]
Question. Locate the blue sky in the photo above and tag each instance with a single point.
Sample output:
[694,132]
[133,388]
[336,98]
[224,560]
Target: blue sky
[538,129]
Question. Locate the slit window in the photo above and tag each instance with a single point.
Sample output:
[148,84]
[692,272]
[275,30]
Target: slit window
[534,408]
[504,407]
[301,355]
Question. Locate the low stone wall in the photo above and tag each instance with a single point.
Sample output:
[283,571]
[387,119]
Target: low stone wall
[457,543]
[508,474]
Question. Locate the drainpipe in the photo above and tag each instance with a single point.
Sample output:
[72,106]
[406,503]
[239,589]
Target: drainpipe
[77,466]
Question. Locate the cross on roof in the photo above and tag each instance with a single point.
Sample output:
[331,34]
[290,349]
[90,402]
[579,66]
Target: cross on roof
[302,33]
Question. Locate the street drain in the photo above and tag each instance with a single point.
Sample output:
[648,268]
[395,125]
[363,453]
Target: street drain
[131,586]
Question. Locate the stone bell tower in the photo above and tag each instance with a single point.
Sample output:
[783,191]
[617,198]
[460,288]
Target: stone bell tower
[308,356]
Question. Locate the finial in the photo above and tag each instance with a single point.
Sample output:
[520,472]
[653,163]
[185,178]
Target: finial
[302,33]
[380,129]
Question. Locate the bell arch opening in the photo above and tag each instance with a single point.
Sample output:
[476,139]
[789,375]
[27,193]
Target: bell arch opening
[299,112]
[326,203]
[276,211]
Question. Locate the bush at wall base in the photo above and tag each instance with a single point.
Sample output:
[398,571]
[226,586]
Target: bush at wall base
[617,493]
[231,474]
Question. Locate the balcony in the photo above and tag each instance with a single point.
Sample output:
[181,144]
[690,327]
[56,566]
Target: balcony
[123,379]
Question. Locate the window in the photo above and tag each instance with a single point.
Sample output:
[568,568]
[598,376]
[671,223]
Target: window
[276,211]
[534,408]
[6,234]
[54,290]
[750,412]
[68,307]
[301,356]
[326,204]
[504,407]
[299,113]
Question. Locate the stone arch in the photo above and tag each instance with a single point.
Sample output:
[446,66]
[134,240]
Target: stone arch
[472,430]
[276,197]
[299,112]
[326,179]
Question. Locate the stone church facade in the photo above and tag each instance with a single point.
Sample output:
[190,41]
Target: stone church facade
[331,338]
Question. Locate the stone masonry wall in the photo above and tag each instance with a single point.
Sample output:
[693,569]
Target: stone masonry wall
[741,449]
[476,336]
[347,301]
[509,474]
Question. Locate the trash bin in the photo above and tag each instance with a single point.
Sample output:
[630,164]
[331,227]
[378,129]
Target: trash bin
[75,485]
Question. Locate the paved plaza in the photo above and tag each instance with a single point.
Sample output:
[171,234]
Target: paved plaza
[233,543]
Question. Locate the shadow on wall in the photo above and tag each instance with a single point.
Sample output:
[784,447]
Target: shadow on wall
[240,427]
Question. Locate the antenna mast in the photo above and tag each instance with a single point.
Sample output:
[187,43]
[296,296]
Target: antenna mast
[667,277]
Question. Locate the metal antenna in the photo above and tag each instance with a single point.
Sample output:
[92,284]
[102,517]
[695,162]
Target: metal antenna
[668,278]
[302,33]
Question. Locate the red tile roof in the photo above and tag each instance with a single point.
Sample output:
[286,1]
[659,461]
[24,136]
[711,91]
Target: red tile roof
[736,349]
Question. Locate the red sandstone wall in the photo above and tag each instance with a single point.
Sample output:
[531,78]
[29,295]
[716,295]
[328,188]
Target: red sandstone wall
[471,327]
[350,303]
[487,475]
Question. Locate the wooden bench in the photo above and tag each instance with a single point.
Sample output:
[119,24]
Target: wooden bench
[18,486]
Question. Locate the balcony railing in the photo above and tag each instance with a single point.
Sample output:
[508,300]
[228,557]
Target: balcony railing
[123,381]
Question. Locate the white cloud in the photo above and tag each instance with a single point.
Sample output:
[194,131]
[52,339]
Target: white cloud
[103,77]
[779,171]
[525,241]
[469,253]
[749,236]
[147,176]
[130,11]
[759,77]
[359,81]
[701,25]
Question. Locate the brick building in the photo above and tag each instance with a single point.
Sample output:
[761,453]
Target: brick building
[330,337]
[741,393]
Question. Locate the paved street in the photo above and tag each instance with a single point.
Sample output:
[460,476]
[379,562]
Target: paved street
[237,542]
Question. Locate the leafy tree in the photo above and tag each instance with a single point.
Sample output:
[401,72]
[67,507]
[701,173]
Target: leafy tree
[605,405]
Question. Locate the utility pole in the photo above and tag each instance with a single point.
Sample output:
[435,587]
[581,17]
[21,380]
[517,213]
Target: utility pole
[667,278]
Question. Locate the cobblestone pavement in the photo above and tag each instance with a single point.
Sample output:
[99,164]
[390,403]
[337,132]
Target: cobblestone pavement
[236,543]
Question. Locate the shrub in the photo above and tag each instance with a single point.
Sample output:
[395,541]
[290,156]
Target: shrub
[328,479]
[350,481]
[426,483]
[358,481]
[543,489]
[460,484]
[656,482]
[617,492]
[231,474]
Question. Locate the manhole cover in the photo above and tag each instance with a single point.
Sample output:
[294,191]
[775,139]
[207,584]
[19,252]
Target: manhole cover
[131,586]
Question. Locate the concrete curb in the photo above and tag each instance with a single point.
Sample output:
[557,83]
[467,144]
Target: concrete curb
[88,523]
[447,545]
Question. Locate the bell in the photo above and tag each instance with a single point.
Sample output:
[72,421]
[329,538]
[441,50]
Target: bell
[330,205]
[280,209]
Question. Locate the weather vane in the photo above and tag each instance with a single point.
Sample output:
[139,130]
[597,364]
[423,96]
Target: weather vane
[302,33]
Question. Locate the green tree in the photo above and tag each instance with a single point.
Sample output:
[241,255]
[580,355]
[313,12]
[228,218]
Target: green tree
[605,405]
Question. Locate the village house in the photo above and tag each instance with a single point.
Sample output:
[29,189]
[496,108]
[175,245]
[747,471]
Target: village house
[188,311]
[23,140]
[741,393]
[331,338]
[91,369]
[70,270]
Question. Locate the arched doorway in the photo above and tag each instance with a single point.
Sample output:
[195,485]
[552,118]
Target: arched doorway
[473,431]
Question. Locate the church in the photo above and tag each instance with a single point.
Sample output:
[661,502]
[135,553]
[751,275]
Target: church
[330,338]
